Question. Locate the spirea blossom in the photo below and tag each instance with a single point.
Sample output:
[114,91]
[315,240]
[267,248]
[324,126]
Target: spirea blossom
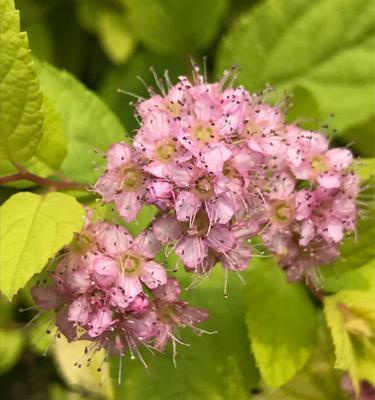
[222,167]
[106,288]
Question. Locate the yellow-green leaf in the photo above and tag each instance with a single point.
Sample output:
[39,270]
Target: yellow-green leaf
[85,378]
[350,316]
[88,122]
[33,229]
[21,100]
[50,152]
[281,321]
[11,343]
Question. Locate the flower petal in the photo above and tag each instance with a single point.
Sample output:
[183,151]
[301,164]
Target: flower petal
[128,205]
[192,251]
[187,206]
[153,274]
[146,244]
[118,155]
[167,228]
[105,270]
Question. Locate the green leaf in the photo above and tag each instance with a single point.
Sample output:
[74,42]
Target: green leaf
[50,152]
[11,343]
[281,321]
[304,108]
[362,137]
[115,36]
[361,278]
[282,42]
[365,168]
[316,381]
[88,122]
[33,229]
[217,366]
[176,26]
[42,333]
[355,251]
[86,379]
[57,392]
[350,316]
[110,22]
[21,100]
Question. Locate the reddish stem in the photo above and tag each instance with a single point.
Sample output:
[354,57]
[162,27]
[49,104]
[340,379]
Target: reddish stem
[26,175]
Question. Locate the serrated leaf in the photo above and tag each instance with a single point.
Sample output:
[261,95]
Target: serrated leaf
[50,152]
[316,381]
[88,122]
[350,316]
[281,320]
[216,367]
[176,26]
[282,42]
[11,343]
[33,229]
[21,100]
[86,379]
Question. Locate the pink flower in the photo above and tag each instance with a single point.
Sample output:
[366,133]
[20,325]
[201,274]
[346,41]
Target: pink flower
[310,159]
[174,313]
[128,263]
[123,182]
[156,140]
[192,243]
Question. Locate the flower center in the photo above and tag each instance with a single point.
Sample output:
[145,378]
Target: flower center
[131,178]
[165,151]
[203,133]
[319,164]
[129,263]
[174,108]
[204,187]
[251,128]
[82,243]
[282,212]
[200,225]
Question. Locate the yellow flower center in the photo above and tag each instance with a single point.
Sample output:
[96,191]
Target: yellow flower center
[319,164]
[165,151]
[131,178]
[282,212]
[173,108]
[82,243]
[129,263]
[203,133]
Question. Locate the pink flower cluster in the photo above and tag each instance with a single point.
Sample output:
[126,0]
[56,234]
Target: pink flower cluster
[107,288]
[222,166]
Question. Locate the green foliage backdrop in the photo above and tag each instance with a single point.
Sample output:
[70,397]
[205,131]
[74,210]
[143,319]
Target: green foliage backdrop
[60,108]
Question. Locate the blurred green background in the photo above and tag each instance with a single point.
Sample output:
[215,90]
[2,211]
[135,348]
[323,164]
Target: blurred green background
[322,52]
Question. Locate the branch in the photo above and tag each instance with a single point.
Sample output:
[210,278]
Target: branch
[28,176]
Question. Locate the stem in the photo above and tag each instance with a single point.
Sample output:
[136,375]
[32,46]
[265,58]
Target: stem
[315,290]
[26,175]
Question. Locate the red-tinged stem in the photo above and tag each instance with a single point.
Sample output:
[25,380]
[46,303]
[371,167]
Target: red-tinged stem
[28,176]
